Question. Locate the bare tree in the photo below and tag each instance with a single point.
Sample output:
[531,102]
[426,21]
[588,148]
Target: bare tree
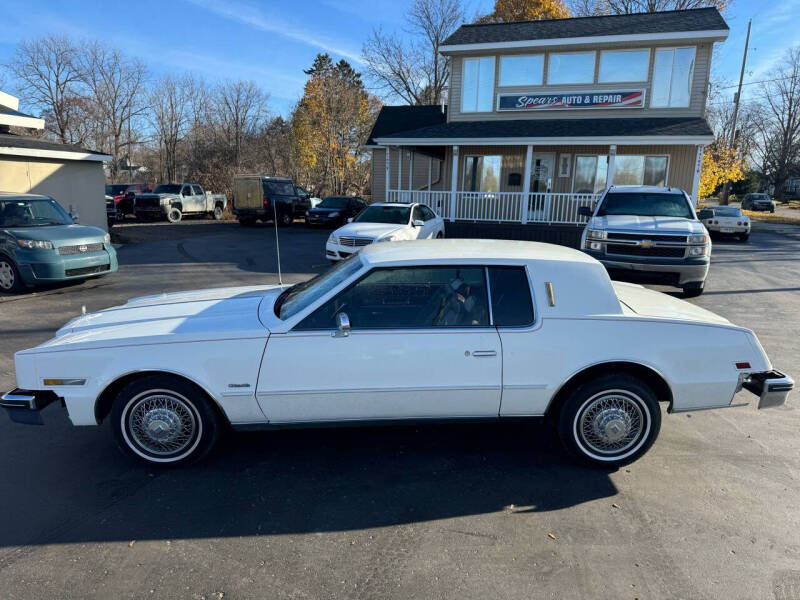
[413,69]
[583,8]
[116,84]
[50,81]
[779,125]
[240,108]
[170,116]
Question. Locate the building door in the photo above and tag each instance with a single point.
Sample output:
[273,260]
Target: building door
[542,168]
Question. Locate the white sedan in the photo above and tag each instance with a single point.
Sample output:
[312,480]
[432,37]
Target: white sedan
[408,331]
[726,220]
[384,222]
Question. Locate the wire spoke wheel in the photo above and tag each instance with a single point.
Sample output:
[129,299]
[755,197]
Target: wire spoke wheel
[162,424]
[611,422]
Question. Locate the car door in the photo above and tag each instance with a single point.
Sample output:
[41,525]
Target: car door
[303,201]
[416,215]
[199,199]
[433,224]
[420,345]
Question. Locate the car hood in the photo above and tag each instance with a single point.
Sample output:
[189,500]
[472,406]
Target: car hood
[649,303]
[151,195]
[647,224]
[370,230]
[60,235]
[201,315]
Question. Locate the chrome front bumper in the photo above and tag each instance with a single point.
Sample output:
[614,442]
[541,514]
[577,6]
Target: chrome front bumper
[772,387]
[23,406]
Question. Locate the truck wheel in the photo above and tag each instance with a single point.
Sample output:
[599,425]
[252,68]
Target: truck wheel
[10,280]
[285,219]
[744,237]
[164,421]
[217,212]
[610,421]
[174,215]
[693,290]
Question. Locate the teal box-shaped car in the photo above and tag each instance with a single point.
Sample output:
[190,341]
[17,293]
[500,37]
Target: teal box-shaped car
[40,243]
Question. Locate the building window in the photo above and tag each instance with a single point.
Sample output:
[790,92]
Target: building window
[655,170]
[590,174]
[522,70]
[564,164]
[672,77]
[570,67]
[477,90]
[482,173]
[623,65]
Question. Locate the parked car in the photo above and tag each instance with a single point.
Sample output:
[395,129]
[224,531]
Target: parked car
[646,232]
[173,200]
[726,220]
[124,194]
[410,331]
[384,222]
[261,198]
[40,243]
[758,201]
[112,216]
[335,211]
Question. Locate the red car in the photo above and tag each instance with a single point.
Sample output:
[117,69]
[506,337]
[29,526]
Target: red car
[123,195]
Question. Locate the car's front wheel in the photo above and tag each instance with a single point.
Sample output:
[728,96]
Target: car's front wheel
[174,215]
[10,280]
[611,420]
[164,421]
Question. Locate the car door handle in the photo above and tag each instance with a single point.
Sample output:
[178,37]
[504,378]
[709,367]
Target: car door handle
[480,353]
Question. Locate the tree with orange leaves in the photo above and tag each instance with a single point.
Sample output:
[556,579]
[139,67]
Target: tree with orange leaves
[509,11]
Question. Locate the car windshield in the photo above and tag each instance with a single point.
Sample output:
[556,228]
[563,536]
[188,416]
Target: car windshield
[35,212]
[298,297]
[333,202]
[727,211]
[168,188]
[113,189]
[397,215]
[643,204]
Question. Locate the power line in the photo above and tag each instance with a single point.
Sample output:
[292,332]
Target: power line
[729,87]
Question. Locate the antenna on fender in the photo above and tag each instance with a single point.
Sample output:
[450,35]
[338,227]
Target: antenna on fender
[277,241]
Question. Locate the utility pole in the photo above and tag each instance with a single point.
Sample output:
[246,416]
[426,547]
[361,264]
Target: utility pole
[736,100]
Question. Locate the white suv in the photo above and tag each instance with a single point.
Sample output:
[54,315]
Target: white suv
[652,233]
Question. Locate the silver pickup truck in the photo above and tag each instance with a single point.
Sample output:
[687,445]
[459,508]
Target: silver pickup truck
[173,200]
[651,233]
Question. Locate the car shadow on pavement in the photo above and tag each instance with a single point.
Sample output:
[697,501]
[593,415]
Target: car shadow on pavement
[296,481]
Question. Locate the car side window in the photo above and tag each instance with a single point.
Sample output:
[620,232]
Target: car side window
[409,298]
[427,214]
[511,297]
[186,190]
[196,190]
[417,214]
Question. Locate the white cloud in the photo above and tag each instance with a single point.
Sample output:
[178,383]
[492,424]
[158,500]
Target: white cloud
[252,17]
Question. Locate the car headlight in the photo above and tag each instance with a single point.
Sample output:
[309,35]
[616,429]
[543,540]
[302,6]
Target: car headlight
[698,251]
[107,238]
[698,239]
[333,240]
[596,234]
[36,244]
[334,214]
[388,238]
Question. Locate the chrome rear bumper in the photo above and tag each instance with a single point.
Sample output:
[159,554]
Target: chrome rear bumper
[771,387]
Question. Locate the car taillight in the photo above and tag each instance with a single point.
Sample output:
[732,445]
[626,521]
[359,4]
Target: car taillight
[266,201]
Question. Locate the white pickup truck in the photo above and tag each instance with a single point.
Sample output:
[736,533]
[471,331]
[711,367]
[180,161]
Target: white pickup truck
[652,233]
[173,200]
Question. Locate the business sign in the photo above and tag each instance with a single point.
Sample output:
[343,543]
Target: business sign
[562,101]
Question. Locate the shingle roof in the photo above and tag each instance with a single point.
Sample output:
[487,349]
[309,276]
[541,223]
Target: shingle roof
[699,19]
[556,128]
[9,140]
[393,119]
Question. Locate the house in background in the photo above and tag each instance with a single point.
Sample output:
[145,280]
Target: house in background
[71,175]
[545,115]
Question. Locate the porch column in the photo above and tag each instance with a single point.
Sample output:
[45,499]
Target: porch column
[612,156]
[526,186]
[410,169]
[388,164]
[399,168]
[454,185]
[698,167]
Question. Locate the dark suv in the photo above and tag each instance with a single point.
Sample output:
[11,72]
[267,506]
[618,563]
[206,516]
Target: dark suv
[123,195]
[758,202]
[261,198]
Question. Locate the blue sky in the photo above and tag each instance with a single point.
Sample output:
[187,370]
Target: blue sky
[271,41]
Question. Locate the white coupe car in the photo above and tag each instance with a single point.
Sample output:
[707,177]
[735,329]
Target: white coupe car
[408,331]
[384,222]
[726,220]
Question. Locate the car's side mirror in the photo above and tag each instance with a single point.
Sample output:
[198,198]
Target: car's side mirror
[418,223]
[585,211]
[342,325]
[73,213]
[350,219]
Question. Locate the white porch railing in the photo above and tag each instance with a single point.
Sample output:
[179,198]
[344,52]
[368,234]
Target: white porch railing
[502,207]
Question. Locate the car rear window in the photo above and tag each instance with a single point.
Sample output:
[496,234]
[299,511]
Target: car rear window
[279,188]
[511,297]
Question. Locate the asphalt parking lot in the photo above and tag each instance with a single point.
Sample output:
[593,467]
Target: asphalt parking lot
[468,511]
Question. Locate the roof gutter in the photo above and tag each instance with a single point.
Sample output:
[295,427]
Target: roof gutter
[634,140]
[57,154]
[716,35]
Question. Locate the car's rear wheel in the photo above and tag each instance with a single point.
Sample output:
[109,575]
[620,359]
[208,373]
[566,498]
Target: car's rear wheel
[10,280]
[164,421]
[217,213]
[610,421]
[174,215]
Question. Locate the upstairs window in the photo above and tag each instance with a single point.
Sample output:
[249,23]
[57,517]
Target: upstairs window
[623,65]
[570,67]
[522,70]
[672,78]
[477,90]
